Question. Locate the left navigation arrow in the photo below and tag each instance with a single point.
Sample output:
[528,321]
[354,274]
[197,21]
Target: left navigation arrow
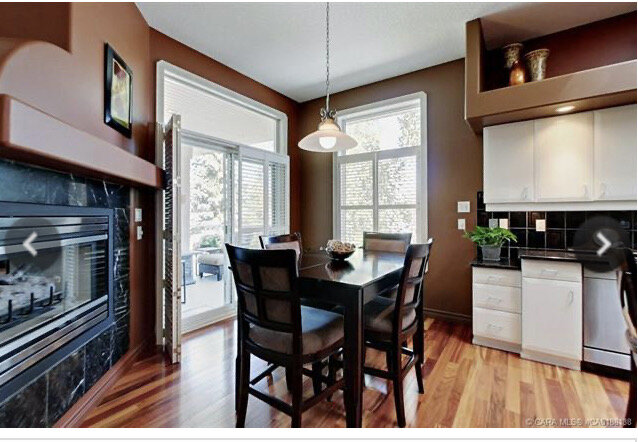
[27,244]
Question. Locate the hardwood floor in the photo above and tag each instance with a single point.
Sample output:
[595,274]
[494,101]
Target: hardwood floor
[465,386]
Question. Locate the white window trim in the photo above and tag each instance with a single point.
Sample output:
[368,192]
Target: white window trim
[165,69]
[382,108]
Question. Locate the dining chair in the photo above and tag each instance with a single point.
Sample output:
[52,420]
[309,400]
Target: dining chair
[287,241]
[275,327]
[386,242]
[389,323]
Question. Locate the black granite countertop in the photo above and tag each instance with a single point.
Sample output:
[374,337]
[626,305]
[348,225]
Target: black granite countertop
[504,263]
[554,255]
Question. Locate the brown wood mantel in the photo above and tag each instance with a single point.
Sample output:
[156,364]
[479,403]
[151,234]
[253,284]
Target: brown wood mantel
[31,136]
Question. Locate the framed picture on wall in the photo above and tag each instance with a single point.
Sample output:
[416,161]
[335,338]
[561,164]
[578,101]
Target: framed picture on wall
[118,92]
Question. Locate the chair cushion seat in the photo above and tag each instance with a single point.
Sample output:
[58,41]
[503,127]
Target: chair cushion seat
[214,259]
[320,329]
[377,315]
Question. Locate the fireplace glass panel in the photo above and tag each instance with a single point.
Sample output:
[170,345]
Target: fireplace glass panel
[35,290]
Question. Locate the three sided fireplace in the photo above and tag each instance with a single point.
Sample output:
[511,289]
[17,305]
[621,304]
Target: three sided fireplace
[55,285]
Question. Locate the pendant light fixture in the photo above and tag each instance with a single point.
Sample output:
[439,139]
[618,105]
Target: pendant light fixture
[328,137]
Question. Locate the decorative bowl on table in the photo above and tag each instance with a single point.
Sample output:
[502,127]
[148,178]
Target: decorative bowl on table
[339,251]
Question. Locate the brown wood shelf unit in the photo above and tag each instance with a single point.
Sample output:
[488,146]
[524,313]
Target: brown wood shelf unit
[598,87]
[29,135]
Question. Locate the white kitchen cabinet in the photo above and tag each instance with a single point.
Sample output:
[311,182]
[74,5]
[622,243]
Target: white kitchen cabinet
[615,153]
[564,155]
[552,324]
[496,312]
[508,162]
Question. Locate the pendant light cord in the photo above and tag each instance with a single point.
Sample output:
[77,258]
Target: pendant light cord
[328,58]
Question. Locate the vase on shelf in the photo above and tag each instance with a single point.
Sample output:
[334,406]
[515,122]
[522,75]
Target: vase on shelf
[517,73]
[537,64]
[511,53]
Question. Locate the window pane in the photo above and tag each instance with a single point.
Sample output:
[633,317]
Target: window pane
[356,184]
[389,131]
[208,114]
[397,180]
[397,221]
[353,223]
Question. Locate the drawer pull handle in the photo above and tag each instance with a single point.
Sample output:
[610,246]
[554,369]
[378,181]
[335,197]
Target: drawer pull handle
[495,328]
[549,271]
[571,297]
[491,277]
[493,299]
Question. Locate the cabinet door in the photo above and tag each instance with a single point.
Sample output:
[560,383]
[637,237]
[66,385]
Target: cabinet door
[564,157]
[552,317]
[615,153]
[508,163]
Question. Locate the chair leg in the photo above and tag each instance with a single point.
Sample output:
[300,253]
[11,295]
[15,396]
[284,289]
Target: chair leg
[398,387]
[419,376]
[316,376]
[296,378]
[289,378]
[243,378]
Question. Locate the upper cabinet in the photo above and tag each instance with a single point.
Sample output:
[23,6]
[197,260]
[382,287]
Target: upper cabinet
[577,161]
[615,153]
[564,157]
[508,157]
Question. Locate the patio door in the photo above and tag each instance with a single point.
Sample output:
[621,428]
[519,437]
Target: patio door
[206,213]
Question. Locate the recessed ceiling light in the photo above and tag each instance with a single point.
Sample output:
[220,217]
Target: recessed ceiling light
[563,109]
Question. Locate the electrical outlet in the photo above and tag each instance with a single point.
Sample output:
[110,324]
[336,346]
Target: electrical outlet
[463,206]
[140,233]
[503,223]
[493,222]
[540,225]
[461,223]
[138,215]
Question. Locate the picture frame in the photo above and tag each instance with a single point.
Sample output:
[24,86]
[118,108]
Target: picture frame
[118,92]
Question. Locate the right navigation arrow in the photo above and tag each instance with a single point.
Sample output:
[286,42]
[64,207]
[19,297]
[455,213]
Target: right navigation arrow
[606,244]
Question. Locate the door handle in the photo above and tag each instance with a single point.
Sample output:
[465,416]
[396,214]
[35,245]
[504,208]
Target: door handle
[603,190]
[525,193]
[585,190]
[571,297]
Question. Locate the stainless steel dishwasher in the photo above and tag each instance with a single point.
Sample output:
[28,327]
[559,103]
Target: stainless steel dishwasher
[604,339]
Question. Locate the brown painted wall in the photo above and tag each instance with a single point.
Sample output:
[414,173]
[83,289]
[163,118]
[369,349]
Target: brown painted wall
[165,48]
[38,21]
[455,173]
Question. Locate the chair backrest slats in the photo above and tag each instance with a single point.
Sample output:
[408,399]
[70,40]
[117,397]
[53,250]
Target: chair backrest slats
[386,242]
[266,283]
[278,242]
[410,291]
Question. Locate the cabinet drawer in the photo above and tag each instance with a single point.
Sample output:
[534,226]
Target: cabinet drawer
[557,270]
[511,278]
[497,325]
[497,297]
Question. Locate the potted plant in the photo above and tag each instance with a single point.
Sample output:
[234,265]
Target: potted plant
[490,240]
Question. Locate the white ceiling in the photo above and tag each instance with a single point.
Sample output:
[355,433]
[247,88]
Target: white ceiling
[282,45]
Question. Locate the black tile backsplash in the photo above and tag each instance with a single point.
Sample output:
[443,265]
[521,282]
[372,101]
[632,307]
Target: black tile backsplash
[561,227]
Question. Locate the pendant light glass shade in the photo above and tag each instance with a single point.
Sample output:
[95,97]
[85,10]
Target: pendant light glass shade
[327,138]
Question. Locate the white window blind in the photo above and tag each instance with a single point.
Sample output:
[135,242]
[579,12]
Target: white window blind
[380,185]
[263,196]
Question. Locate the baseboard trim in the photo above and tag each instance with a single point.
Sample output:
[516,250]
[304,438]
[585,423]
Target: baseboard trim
[572,364]
[449,316]
[76,414]
[500,345]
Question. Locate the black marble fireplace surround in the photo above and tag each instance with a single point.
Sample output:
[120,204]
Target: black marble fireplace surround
[47,395]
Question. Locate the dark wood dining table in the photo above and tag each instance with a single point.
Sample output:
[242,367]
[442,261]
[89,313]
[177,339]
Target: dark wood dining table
[351,284]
